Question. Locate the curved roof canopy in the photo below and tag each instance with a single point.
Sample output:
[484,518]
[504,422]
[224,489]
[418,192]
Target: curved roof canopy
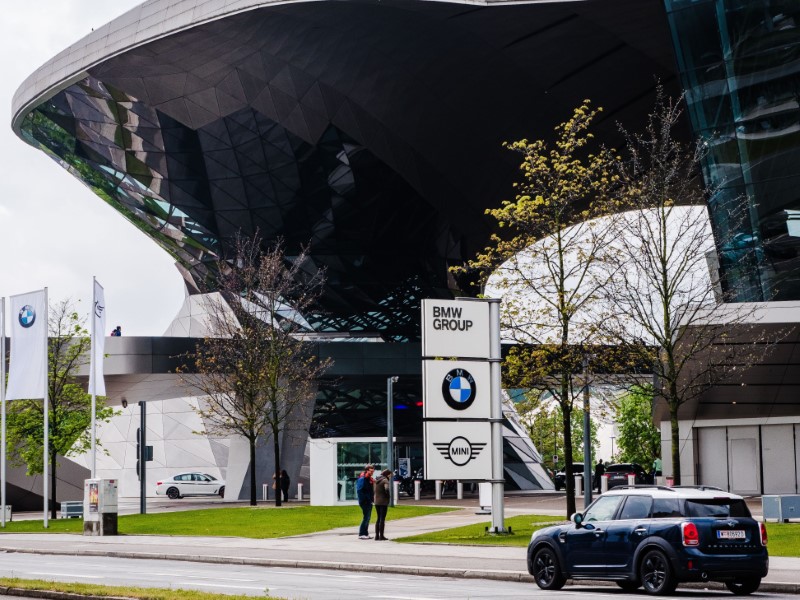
[371,129]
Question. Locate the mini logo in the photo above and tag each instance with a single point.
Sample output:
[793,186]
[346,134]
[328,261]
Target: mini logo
[458,389]
[460,450]
[98,309]
[27,316]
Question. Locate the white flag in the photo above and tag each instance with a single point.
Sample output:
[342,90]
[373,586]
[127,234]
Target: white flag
[98,342]
[28,364]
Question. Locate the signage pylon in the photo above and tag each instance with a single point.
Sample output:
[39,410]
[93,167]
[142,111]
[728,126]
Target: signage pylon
[463,411]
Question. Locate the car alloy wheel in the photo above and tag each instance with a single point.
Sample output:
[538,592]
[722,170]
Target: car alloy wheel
[656,575]
[743,587]
[173,493]
[546,571]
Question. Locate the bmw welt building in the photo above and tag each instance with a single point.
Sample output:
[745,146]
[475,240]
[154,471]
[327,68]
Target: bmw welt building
[374,130]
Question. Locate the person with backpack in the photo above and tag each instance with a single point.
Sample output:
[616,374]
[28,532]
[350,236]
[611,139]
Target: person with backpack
[366,497]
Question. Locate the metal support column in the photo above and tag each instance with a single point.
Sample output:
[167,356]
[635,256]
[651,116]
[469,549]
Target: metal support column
[390,381]
[498,475]
[142,458]
[587,437]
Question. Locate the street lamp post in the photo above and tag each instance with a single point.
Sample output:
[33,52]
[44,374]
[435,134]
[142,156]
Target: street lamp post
[612,448]
[390,381]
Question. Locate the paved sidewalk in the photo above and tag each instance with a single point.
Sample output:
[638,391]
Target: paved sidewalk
[341,548]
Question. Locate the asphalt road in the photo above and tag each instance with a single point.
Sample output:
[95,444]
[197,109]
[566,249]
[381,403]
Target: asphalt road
[295,584]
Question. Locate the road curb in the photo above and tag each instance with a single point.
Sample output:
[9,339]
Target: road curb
[514,576]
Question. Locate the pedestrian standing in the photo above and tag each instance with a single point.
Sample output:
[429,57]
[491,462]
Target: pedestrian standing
[599,471]
[285,485]
[382,495]
[656,468]
[365,491]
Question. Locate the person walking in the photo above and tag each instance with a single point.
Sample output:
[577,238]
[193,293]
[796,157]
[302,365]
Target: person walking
[285,485]
[365,491]
[383,486]
[599,471]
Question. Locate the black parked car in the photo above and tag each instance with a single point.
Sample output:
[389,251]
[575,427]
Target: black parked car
[655,537]
[618,474]
[561,477]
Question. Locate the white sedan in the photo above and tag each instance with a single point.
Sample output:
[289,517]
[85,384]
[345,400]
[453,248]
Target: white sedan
[190,484]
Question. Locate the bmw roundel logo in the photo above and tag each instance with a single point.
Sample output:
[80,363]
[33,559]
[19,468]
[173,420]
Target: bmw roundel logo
[458,389]
[27,316]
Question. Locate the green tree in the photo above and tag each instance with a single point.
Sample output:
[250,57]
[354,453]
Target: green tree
[256,370]
[70,411]
[545,426]
[545,262]
[638,439]
[660,292]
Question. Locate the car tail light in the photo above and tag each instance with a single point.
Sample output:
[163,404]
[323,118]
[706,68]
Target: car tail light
[690,535]
[763,534]
[159,482]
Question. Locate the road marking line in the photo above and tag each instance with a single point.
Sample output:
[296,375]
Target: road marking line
[237,587]
[49,574]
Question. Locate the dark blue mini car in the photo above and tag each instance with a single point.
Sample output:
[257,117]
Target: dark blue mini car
[655,537]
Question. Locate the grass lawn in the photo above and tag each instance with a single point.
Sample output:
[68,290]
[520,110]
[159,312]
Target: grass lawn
[784,538]
[121,591]
[247,522]
[522,527]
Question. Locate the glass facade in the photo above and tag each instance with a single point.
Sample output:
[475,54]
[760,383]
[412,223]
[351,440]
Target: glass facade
[739,62]
[351,458]
[372,131]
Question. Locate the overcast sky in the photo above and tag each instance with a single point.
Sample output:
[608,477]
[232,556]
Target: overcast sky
[55,232]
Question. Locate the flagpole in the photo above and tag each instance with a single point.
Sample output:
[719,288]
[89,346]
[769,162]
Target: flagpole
[3,412]
[94,377]
[45,469]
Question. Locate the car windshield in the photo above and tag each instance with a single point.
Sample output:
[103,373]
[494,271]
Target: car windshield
[603,508]
[716,507]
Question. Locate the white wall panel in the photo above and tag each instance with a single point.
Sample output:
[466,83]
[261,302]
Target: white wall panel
[712,457]
[778,456]
[743,460]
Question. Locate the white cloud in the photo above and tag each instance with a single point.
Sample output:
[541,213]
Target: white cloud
[55,232]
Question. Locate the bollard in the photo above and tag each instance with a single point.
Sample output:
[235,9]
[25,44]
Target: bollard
[670,481]
[603,484]
[417,488]
[659,480]
[459,490]
[265,492]
[395,491]
[299,492]
[438,489]
[631,479]
[578,485]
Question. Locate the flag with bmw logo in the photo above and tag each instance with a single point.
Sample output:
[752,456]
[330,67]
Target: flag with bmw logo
[27,367]
[97,383]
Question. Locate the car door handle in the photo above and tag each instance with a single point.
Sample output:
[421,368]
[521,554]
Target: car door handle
[641,530]
[598,532]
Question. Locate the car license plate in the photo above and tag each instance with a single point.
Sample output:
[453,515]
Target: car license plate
[730,534]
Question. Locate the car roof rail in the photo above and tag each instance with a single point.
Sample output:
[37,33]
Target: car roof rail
[713,488]
[640,486]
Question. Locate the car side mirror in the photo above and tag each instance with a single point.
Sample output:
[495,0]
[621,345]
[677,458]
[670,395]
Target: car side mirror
[577,518]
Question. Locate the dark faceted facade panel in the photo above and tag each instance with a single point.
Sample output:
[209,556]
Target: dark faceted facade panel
[740,65]
[371,131]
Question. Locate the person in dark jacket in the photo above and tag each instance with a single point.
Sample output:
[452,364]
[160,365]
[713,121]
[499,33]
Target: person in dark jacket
[366,497]
[382,495]
[599,471]
[285,485]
